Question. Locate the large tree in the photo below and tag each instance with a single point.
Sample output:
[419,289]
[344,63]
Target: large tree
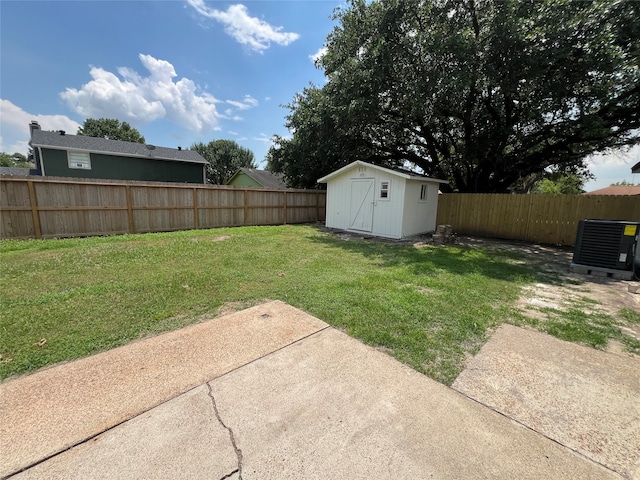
[482,93]
[110,128]
[225,157]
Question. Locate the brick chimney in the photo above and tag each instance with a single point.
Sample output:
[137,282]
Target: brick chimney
[33,126]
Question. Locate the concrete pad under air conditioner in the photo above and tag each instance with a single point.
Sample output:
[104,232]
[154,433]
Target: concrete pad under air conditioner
[601,272]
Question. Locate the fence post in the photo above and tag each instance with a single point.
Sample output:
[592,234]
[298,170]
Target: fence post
[246,206]
[284,208]
[132,226]
[527,234]
[196,221]
[34,208]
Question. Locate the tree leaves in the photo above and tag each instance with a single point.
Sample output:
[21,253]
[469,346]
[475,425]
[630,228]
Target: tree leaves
[483,93]
[111,129]
[225,157]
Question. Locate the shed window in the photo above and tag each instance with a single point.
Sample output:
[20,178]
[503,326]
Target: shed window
[424,188]
[384,190]
[79,160]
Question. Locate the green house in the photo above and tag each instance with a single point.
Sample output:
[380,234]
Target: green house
[60,155]
[252,177]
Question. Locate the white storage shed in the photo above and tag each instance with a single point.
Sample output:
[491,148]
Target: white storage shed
[386,203]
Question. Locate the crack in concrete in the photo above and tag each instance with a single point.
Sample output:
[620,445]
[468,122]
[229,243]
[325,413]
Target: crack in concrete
[231,436]
[231,474]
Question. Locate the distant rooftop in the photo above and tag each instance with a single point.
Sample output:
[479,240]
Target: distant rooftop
[266,178]
[61,140]
[617,190]
[14,171]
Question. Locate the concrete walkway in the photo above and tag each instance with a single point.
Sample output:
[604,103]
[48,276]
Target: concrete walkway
[269,392]
[585,399]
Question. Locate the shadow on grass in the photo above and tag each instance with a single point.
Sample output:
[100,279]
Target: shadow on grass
[454,259]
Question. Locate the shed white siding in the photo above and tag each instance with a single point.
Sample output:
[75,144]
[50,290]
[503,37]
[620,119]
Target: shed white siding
[370,199]
[420,215]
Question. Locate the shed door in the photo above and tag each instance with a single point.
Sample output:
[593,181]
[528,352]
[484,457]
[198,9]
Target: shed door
[361,217]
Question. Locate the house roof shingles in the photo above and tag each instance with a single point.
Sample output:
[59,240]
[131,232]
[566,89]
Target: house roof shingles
[41,138]
[14,171]
[265,178]
[617,190]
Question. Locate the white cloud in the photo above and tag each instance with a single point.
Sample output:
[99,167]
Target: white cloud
[14,125]
[246,30]
[264,138]
[247,102]
[318,55]
[613,167]
[613,158]
[138,98]
[228,115]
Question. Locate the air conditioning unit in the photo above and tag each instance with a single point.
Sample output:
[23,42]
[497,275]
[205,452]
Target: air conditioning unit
[607,246]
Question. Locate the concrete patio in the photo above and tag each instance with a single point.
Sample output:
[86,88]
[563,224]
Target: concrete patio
[272,392]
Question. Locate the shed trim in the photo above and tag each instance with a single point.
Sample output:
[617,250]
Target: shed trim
[407,176]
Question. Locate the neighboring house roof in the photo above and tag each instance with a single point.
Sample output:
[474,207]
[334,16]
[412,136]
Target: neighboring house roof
[636,168]
[398,172]
[57,140]
[617,190]
[14,171]
[263,177]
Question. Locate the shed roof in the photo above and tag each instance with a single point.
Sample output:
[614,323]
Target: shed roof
[617,190]
[57,140]
[397,172]
[263,177]
[636,168]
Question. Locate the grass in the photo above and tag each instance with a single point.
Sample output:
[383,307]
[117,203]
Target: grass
[589,328]
[582,320]
[429,307]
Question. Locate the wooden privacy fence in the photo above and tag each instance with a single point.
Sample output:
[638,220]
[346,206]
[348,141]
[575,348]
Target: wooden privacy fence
[44,207]
[551,219]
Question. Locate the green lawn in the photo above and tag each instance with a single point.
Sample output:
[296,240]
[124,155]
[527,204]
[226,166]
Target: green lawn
[429,307]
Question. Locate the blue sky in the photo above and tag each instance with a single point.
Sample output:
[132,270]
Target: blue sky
[178,71]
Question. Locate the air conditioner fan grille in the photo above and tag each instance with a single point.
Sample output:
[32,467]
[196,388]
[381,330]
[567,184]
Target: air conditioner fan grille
[600,245]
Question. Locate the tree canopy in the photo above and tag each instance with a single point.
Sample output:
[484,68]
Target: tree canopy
[225,157]
[567,184]
[14,160]
[623,183]
[483,93]
[111,129]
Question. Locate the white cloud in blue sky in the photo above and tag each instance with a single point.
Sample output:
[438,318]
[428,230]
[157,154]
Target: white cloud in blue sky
[251,31]
[138,98]
[246,103]
[318,55]
[14,126]
[179,71]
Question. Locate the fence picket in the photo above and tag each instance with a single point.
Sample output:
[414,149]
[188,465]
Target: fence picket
[551,219]
[55,207]
[66,207]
